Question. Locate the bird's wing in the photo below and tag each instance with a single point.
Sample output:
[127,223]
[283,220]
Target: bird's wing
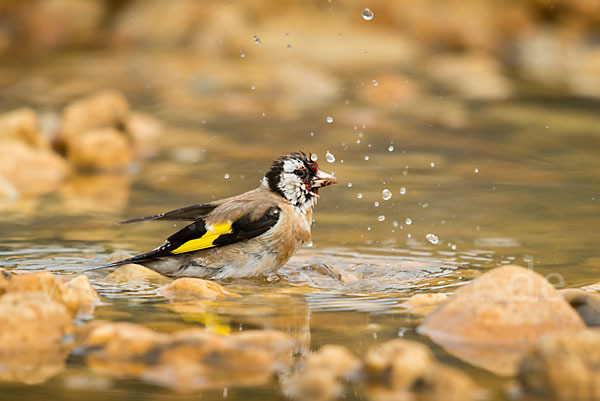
[188,213]
[202,235]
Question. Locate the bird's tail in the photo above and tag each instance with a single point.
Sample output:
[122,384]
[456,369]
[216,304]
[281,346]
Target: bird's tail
[135,259]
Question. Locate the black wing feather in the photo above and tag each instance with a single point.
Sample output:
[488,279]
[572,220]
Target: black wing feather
[187,213]
[242,229]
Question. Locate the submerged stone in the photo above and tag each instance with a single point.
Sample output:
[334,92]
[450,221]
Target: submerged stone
[32,337]
[492,320]
[106,149]
[586,304]
[186,360]
[563,366]
[320,374]
[402,369]
[74,296]
[135,273]
[189,288]
[424,304]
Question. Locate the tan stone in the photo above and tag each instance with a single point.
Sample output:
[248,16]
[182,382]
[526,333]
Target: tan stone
[33,329]
[335,359]
[564,366]
[136,273]
[400,369]
[491,321]
[105,149]
[29,170]
[586,304]
[188,359]
[103,109]
[424,304]
[22,125]
[398,363]
[312,384]
[85,293]
[188,288]
[46,285]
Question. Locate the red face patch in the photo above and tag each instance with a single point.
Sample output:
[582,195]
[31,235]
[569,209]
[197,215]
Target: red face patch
[314,166]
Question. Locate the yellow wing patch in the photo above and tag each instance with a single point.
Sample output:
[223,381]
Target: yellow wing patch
[206,241]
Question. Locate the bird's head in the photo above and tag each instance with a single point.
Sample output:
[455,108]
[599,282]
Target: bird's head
[297,178]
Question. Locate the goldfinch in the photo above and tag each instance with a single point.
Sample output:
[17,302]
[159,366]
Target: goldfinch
[248,235]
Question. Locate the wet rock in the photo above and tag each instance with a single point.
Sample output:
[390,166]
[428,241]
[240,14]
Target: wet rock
[186,360]
[136,273]
[32,338]
[401,369]
[104,109]
[188,288]
[317,384]
[22,125]
[320,374]
[84,292]
[335,359]
[492,320]
[398,363]
[586,304]
[29,170]
[424,304]
[563,366]
[104,149]
[51,287]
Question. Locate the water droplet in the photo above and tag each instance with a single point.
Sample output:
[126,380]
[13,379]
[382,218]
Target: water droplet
[366,157]
[349,185]
[376,204]
[367,14]
[386,194]
[381,218]
[313,156]
[391,148]
[408,221]
[242,54]
[358,141]
[226,175]
[432,164]
[432,238]
[375,83]
[476,171]
[359,196]
[257,40]
[395,223]
[453,247]
[329,157]
[329,120]
[402,191]
[253,87]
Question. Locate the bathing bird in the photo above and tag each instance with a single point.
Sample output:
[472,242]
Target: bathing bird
[247,235]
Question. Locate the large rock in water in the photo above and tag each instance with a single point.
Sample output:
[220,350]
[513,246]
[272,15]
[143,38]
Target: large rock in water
[33,329]
[564,366]
[492,320]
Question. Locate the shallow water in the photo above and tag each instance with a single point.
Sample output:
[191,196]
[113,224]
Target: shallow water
[517,182]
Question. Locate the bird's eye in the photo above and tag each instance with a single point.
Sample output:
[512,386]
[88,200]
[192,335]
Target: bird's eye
[300,173]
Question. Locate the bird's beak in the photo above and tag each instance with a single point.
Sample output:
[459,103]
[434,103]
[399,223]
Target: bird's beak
[323,179]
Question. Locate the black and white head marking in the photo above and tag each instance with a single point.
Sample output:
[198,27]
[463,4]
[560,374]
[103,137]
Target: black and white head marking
[292,176]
